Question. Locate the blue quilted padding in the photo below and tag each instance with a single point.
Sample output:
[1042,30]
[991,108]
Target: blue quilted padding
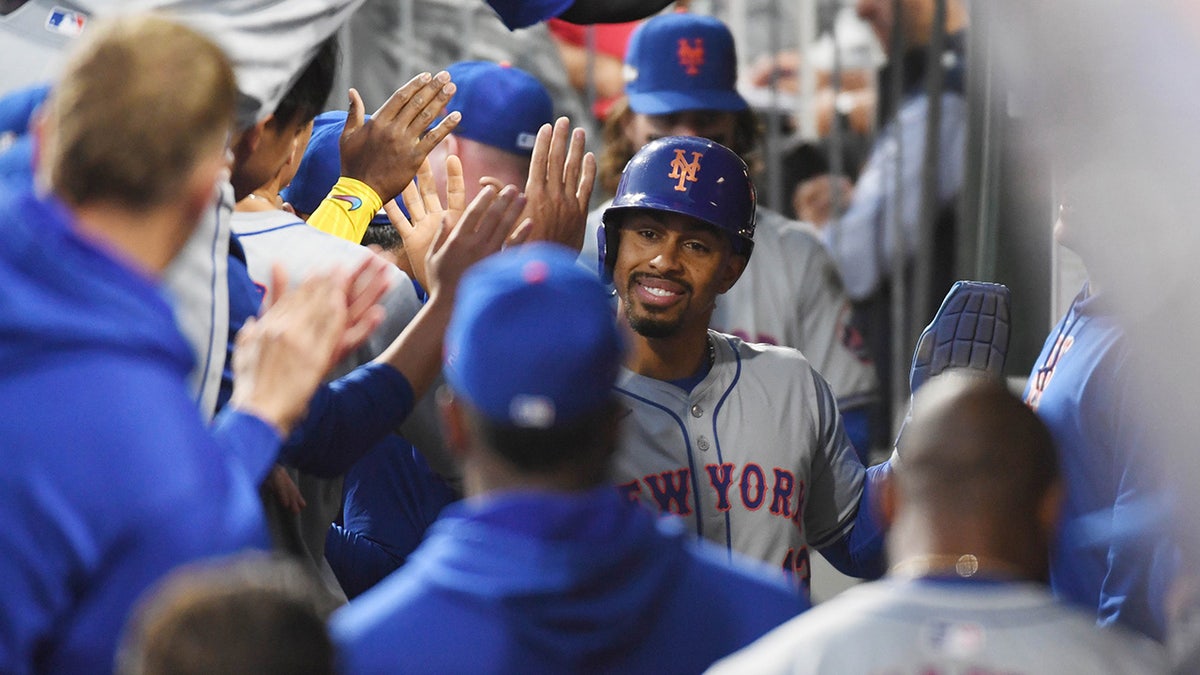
[970,330]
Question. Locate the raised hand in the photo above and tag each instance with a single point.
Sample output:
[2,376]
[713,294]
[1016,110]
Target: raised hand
[478,232]
[561,177]
[286,493]
[481,230]
[281,357]
[386,151]
[426,212]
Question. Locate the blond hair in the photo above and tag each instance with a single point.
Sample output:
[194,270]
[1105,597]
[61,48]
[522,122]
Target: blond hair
[140,102]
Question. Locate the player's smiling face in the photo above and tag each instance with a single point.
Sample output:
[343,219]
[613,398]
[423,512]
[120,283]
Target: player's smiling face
[670,268]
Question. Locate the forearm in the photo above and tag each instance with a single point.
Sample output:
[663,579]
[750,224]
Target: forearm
[347,210]
[417,352]
[347,418]
[860,552]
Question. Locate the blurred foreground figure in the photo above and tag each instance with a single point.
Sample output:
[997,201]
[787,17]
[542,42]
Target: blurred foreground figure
[249,615]
[110,477]
[975,502]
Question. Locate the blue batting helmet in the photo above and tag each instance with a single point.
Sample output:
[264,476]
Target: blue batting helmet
[687,175]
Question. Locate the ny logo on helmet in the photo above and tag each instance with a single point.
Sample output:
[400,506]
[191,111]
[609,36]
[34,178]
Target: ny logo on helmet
[683,169]
[691,56]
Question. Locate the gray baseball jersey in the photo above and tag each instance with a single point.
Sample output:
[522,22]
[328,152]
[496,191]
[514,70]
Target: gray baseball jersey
[754,458]
[941,627]
[197,282]
[791,295]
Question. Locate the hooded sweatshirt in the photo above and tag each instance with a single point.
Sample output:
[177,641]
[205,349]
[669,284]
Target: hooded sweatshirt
[1113,555]
[549,582]
[110,478]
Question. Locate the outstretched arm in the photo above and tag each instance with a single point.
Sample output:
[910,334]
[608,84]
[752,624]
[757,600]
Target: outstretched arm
[381,155]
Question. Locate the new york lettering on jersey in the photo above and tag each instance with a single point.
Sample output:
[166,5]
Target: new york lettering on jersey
[735,458]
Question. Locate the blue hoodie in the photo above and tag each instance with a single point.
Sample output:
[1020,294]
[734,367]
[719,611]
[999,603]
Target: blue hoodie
[550,582]
[110,478]
[1113,555]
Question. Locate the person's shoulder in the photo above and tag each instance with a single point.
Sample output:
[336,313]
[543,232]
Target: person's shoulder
[410,615]
[795,645]
[761,355]
[794,240]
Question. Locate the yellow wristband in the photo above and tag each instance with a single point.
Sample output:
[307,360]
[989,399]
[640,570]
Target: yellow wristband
[347,210]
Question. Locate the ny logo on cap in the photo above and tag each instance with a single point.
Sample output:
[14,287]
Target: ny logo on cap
[683,169]
[691,56]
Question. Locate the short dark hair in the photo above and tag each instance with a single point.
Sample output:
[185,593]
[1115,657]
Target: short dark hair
[546,450]
[307,96]
[384,236]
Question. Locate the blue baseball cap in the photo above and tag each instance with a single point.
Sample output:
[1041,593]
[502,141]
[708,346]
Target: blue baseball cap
[532,342]
[321,166]
[681,61]
[501,106]
[524,13]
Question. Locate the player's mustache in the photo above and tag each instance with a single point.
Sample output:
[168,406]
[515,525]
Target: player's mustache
[638,276]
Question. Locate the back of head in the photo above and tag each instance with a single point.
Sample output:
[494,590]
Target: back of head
[253,615]
[533,350]
[307,95]
[973,450]
[502,107]
[140,102]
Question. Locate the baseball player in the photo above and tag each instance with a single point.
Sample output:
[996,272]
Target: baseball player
[976,505]
[742,440]
[681,74]
[543,568]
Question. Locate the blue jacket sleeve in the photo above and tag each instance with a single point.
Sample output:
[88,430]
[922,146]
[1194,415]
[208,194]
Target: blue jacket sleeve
[346,418]
[247,441]
[860,552]
[358,561]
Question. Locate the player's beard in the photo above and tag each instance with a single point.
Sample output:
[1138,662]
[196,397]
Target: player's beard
[646,323]
[652,327]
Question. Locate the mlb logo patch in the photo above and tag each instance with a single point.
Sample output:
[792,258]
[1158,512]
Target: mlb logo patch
[953,639]
[65,22]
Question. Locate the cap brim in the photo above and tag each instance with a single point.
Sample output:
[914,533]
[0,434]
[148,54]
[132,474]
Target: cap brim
[667,102]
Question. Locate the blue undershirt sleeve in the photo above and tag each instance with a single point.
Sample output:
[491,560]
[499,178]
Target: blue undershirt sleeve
[860,552]
[346,418]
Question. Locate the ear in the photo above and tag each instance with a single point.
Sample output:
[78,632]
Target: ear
[1049,510]
[454,424]
[886,499]
[40,127]
[734,266]
[249,140]
[627,130]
